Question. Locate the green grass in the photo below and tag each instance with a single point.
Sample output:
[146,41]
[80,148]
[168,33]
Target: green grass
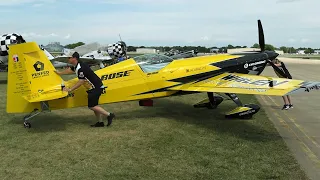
[172,140]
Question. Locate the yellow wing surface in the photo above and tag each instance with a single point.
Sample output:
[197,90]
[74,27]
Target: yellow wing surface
[249,84]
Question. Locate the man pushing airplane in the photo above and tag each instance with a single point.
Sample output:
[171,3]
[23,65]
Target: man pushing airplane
[92,83]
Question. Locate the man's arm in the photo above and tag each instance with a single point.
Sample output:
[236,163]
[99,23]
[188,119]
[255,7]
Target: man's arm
[278,65]
[66,71]
[81,77]
[77,85]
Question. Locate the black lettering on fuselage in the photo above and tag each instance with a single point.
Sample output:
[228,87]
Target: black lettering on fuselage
[116,75]
[40,74]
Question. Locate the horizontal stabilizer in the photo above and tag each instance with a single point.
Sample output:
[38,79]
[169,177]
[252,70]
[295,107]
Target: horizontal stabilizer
[46,95]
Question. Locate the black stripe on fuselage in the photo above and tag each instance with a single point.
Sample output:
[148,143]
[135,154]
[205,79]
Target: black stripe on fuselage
[231,65]
[253,63]
[238,63]
[158,90]
[195,77]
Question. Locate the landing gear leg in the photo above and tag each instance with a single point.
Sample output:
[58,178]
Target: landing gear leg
[211,102]
[44,107]
[242,111]
[214,100]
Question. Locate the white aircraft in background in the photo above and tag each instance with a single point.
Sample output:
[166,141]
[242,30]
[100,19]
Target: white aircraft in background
[89,53]
[53,60]
[93,53]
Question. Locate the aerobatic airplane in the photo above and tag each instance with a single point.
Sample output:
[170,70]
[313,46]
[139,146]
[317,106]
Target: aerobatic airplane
[34,87]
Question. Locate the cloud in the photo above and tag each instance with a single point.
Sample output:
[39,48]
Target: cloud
[37,5]
[287,1]
[305,40]
[291,40]
[126,2]
[146,22]
[31,36]
[21,2]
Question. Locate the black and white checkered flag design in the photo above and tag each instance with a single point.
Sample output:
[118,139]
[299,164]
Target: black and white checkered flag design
[6,40]
[117,50]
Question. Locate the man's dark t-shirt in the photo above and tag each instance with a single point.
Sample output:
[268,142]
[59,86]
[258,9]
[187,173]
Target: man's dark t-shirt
[83,71]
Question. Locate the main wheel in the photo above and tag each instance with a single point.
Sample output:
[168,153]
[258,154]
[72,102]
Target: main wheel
[27,125]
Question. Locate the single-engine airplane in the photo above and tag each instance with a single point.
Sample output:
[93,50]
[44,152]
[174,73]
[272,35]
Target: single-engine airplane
[89,53]
[34,87]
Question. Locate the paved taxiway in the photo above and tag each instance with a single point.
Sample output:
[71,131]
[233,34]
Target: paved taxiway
[300,126]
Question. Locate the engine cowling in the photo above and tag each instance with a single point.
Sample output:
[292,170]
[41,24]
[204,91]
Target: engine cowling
[8,39]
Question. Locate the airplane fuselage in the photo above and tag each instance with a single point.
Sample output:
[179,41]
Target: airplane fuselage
[128,80]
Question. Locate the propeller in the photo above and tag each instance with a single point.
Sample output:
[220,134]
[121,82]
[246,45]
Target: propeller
[263,47]
[261,39]
[261,36]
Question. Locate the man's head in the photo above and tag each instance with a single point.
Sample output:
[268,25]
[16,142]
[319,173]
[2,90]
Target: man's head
[73,57]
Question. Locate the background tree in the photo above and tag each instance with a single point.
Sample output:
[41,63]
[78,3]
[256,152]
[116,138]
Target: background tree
[72,46]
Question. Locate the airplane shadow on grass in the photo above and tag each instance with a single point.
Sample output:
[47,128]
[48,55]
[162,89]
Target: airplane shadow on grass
[212,119]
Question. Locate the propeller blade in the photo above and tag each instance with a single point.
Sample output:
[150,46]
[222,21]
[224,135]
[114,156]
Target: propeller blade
[261,36]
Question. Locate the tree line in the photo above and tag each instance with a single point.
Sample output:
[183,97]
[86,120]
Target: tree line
[203,49]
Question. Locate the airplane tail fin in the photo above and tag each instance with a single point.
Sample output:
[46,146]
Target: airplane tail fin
[31,78]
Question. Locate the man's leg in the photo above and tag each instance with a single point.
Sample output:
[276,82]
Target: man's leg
[98,116]
[286,102]
[91,104]
[93,101]
[289,101]
[100,110]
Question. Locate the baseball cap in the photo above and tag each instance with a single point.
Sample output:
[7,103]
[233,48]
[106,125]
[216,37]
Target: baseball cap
[73,54]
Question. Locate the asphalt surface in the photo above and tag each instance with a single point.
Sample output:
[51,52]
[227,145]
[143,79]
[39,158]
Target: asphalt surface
[300,126]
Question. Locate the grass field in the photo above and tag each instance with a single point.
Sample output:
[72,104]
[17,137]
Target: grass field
[172,140]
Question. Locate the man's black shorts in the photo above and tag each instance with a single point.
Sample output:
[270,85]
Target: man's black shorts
[93,96]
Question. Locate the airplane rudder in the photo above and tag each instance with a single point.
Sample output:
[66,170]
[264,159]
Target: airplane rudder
[18,83]
[39,69]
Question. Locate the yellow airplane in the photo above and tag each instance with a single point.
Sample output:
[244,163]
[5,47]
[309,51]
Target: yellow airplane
[33,86]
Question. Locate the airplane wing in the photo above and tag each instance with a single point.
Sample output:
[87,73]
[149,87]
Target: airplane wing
[46,95]
[248,84]
[89,60]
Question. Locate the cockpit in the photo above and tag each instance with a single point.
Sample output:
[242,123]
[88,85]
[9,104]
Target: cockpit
[152,62]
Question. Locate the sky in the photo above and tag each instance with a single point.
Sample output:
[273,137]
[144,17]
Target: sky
[164,22]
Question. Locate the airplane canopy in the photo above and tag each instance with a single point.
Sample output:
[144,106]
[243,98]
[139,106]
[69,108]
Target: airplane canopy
[152,62]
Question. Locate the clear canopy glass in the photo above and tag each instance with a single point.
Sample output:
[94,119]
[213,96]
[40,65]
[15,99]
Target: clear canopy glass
[152,62]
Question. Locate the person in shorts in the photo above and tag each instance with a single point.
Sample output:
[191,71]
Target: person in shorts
[287,101]
[92,82]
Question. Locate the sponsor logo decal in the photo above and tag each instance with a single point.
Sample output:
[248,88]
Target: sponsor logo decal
[239,79]
[247,112]
[116,75]
[15,58]
[39,68]
[196,69]
[246,65]
[81,74]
